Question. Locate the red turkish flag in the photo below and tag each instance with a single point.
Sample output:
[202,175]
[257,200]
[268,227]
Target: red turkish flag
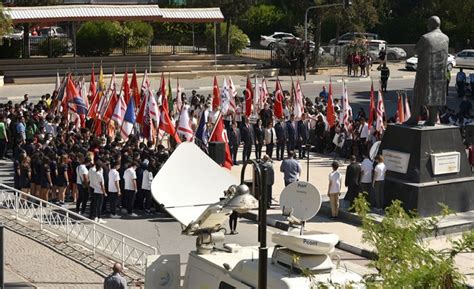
[216,99]
[278,105]
[220,135]
[330,114]
[371,106]
[248,98]
[167,125]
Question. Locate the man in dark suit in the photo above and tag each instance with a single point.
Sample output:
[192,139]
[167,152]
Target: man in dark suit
[246,136]
[291,134]
[352,182]
[280,139]
[234,141]
[303,135]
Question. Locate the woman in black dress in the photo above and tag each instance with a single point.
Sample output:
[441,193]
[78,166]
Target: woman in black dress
[46,181]
[25,173]
[62,179]
[35,181]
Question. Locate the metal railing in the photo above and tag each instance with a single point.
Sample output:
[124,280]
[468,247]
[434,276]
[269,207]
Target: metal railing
[98,238]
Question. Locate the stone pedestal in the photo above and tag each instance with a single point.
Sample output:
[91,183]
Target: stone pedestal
[427,166]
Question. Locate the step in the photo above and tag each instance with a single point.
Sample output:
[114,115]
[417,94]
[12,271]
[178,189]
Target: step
[267,72]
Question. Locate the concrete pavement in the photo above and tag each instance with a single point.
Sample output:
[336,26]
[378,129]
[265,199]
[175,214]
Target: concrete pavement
[346,226]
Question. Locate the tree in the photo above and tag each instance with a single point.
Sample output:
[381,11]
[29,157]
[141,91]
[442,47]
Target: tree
[5,22]
[404,260]
[261,20]
[98,38]
[238,39]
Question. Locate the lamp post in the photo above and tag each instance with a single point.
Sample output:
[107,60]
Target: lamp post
[262,221]
[345,3]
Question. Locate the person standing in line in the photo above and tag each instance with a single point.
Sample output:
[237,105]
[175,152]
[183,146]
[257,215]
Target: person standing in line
[269,139]
[3,137]
[62,179]
[246,136]
[291,134]
[290,168]
[334,189]
[98,194]
[367,166]
[269,178]
[147,178]
[461,83]
[352,181]
[302,127]
[234,141]
[280,139]
[384,75]
[93,183]
[349,64]
[114,189]
[259,138]
[130,187]
[115,280]
[378,182]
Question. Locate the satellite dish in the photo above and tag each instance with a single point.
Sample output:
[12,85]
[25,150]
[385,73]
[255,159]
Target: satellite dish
[374,149]
[189,183]
[301,200]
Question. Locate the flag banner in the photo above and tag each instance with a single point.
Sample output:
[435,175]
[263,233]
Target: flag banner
[202,132]
[128,120]
[216,100]
[220,135]
[248,98]
[330,113]
[380,113]
[372,109]
[134,89]
[184,126]
[298,106]
[278,106]
[74,100]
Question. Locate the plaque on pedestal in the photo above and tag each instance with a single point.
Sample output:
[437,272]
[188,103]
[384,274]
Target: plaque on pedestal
[425,167]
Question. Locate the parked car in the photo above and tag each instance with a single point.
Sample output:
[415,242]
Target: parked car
[465,58]
[350,36]
[395,53]
[52,31]
[270,41]
[412,62]
[17,34]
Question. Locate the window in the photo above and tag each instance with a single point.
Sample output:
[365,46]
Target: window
[462,54]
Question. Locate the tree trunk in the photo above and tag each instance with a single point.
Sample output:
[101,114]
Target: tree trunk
[26,41]
[318,21]
[229,23]
[218,37]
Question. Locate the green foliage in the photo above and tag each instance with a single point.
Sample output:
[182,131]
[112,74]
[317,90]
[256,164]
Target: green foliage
[238,39]
[5,22]
[404,259]
[261,20]
[10,48]
[58,46]
[138,34]
[174,33]
[98,38]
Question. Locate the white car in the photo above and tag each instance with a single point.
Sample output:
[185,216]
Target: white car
[412,62]
[395,53]
[17,34]
[270,41]
[465,58]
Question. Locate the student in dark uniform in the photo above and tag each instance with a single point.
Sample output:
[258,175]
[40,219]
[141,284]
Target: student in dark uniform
[280,139]
[259,136]
[291,134]
[62,179]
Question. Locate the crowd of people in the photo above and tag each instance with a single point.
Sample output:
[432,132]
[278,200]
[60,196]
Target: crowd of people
[59,161]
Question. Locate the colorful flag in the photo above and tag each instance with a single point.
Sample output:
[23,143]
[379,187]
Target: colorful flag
[169,94]
[232,94]
[372,110]
[74,100]
[201,132]
[92,113]
[248,98]
[298,106]
[134,89]
[216,100]
[346,108]
[278,105]
[179,96]
[407,108]
[167,125]
[92,86]
[380,113]
[128,120]
[184,126]
[162,93]
[106,99]
[119,111]
[225,97]
[401,114]
[146,92]
[263,94]
[256,97]
[219,134]
[330,113]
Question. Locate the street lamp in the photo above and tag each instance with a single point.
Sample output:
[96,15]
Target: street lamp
[259,176]
[345,4]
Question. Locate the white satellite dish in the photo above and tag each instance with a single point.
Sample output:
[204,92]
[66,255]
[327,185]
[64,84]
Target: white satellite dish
[190,182]
[301,200]
[374,149]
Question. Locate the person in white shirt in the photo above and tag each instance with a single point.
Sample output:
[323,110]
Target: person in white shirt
[363,135]
[378,182]
[367,166]
[334,189]
[146,187]
[269,139]
[130,187]
[82,184]
[114,189]
[96,174]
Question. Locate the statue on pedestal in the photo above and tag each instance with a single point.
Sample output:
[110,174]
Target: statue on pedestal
[430,81]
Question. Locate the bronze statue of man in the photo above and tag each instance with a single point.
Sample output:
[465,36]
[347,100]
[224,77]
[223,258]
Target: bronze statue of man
[430,81]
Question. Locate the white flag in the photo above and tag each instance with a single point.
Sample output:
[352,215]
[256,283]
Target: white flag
[184,127]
